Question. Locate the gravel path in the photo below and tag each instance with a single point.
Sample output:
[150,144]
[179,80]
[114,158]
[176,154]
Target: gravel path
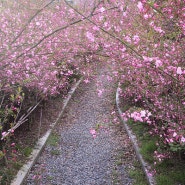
[78,158]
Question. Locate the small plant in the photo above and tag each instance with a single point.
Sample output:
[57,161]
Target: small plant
[55,152]
[115,177]
[119,162]
[53,139]
[27,151]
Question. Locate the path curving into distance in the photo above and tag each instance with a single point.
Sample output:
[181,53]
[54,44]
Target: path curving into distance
[78,158]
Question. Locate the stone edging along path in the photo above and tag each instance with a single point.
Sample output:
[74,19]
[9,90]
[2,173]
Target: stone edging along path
[22,173]
[145,166]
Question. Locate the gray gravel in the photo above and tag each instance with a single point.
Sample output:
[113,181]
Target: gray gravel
[78,158]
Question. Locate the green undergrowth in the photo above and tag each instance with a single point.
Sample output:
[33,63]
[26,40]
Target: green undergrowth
[171,172]
[16,160]
[53,141]
[14,163]
[168,172]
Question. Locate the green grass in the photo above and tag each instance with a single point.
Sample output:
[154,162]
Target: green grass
[17,165]
[147,143]
[6,175]
[7,172]
[138,175]
[50,178]
[164,180]
[115,177]
[147,150]
[171,172]
[55,152]
[119,162]
[27,151]
[53,139]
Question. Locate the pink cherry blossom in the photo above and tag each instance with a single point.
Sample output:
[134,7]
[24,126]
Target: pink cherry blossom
[174,134]
[179,70]
[140,6]
[102,9]
[100,92]
[183,139]
[90,36]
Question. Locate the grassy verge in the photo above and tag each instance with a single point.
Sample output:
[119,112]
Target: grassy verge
[168,172]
